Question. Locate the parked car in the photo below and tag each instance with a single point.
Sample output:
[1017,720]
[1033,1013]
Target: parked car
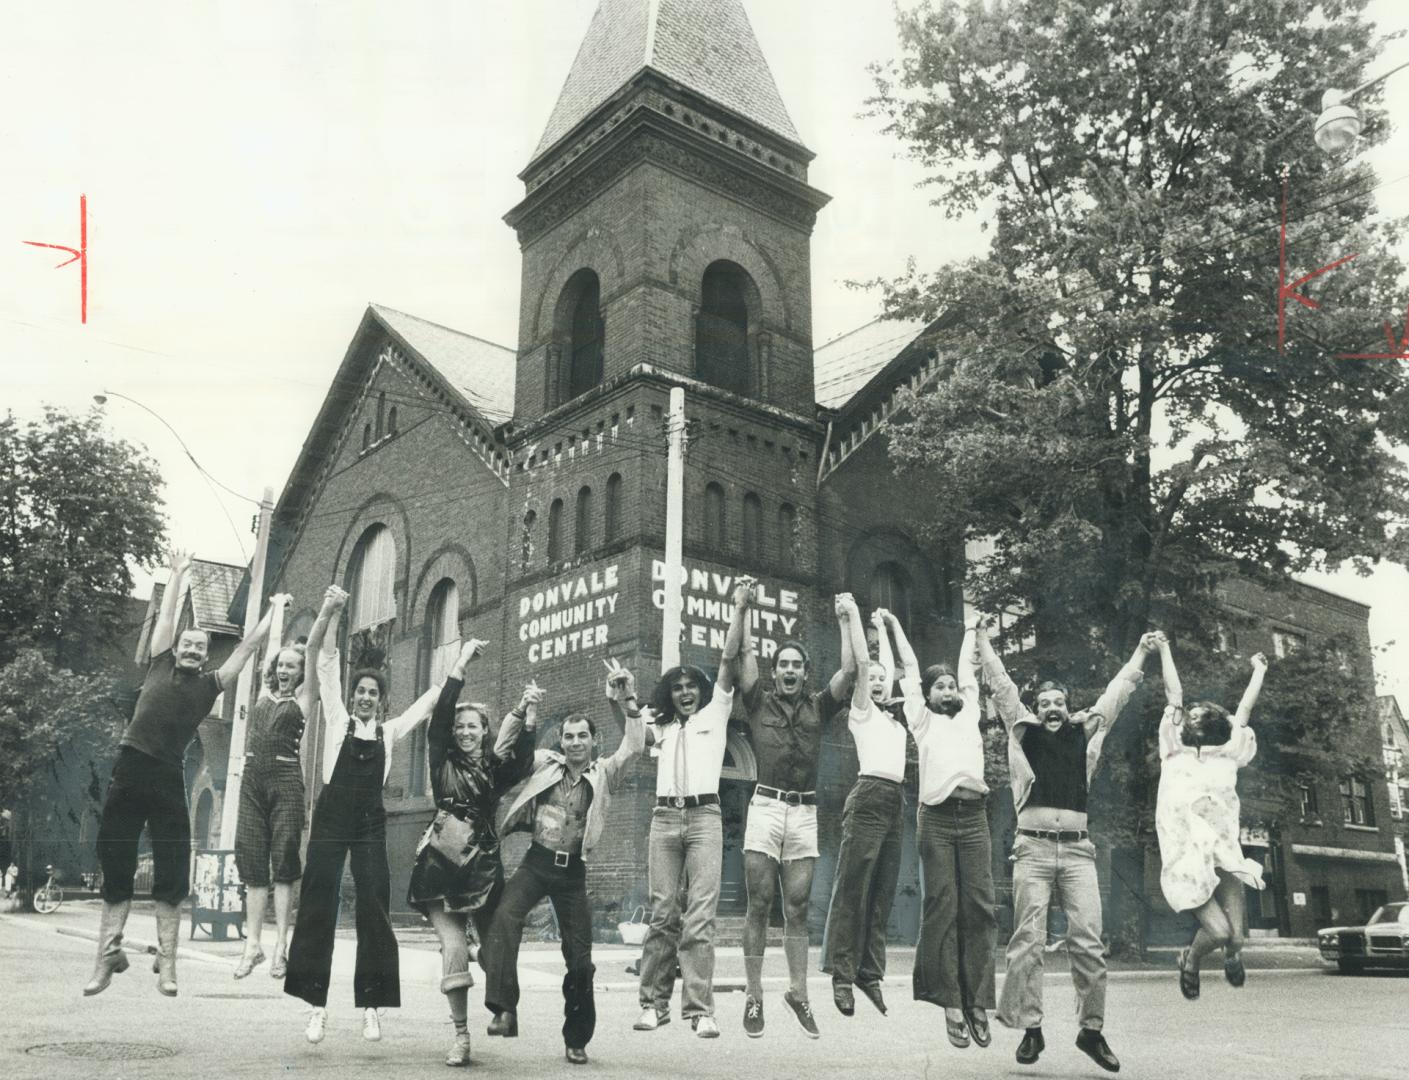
[1381,942]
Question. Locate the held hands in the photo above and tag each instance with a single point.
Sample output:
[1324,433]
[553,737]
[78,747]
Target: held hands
[283,600]
[745,591]
[334,598]
[1258,662]
[471,650]
[529,702]
[621,684]
[845,606]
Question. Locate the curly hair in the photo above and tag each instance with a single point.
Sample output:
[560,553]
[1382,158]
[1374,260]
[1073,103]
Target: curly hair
[1214,728]
[271,669]
[376,675]
[662,703]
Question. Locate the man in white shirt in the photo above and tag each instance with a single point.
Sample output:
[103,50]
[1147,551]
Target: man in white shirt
[868,862]
[687,835]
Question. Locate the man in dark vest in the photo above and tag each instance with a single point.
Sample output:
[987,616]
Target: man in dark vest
[1052,756]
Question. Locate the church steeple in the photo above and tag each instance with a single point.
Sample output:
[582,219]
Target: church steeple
[667,217]
[706,46]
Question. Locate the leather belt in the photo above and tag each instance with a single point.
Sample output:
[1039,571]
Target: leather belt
[792,798]
[681,802]
[561,859]
[1064,836]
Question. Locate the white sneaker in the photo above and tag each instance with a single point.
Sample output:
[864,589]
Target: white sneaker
[706,1028]
[371,1025]
[649,1021]
[317,1021]
[459,1051]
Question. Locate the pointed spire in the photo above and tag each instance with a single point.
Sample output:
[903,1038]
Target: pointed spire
[708,46]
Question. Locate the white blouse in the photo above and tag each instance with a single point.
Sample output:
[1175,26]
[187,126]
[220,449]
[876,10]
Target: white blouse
[336,718]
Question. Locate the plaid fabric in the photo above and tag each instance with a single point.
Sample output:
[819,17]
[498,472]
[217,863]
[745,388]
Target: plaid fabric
[270,826]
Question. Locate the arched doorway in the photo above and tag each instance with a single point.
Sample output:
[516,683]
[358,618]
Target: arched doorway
[736,781]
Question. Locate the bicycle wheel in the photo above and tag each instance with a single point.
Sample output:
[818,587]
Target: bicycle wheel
[48,899]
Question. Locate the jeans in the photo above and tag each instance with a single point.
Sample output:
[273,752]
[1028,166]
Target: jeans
[145,791]
[863,890]
[566,889]
[686,842]
[1044,871]
[954,956]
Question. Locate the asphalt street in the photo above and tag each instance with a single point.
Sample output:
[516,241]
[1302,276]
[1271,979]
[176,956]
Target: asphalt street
[1288,1022]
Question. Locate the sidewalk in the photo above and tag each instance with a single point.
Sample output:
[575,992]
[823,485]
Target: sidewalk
[540,963]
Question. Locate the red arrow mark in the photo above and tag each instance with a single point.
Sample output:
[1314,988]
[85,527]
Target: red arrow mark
[80,255]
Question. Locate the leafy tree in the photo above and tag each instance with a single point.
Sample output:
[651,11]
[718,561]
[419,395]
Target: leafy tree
[58,735]
[78,509]
[1113,410]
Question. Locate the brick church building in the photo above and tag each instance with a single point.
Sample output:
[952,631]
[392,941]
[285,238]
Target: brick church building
[460,488]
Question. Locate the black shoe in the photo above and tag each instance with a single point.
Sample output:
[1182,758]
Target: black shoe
[506,1024]
[842,996]
[576,1055]
[873,993]
[1032,1045]
[753,1018]
[1188,977]
[1234,971]
[803,1011]
[1093,1044]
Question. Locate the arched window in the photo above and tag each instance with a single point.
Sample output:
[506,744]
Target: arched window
[787,535]
[381,413]
[753,525]
[722,328]
[586,333]
[371,575]
[582,526]
[367,435]
[440,643]
[391,421]
[890,589]
[530,519]
[612,509]
[715,531]
[555,531]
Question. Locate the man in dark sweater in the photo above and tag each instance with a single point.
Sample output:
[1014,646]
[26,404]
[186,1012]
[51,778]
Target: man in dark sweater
[148,786]
[1052,756]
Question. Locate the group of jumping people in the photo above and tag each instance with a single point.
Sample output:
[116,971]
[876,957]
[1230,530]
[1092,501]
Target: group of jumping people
[482,789]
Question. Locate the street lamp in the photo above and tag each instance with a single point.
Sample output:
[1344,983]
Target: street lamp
[1339,124]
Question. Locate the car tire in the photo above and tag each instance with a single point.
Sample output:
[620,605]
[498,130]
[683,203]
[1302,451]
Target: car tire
[1350,967]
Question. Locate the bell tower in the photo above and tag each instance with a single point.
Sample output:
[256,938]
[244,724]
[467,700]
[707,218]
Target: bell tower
[667,218]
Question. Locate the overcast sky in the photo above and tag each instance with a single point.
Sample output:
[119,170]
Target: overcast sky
[258,171]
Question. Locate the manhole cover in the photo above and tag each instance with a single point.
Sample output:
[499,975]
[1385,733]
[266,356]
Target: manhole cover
[102,1051]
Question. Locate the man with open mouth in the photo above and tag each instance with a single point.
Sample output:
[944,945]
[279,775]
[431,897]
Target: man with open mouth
[780,838]
[1052,755]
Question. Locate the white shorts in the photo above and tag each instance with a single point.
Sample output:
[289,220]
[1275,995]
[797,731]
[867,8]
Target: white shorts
[780,831]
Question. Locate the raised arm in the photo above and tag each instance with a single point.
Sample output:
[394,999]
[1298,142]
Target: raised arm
[906,664]
[855,635]
[317,634]
[734,639]
[966,674]
[885,655]
[845,678]
[1006,698]
[244,651]
[1113,699]
[748,661]
[1250,695]
[164,629]
[520,720]
[621,692]
[1173,689]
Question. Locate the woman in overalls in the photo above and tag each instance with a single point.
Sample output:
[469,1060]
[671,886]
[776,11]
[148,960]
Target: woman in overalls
[349,819]
[269,832]
[459,876]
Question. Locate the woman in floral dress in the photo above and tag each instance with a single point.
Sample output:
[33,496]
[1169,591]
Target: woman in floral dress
[1196,816]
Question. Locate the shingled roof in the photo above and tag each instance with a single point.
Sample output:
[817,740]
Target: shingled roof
[707,46]
[480,371]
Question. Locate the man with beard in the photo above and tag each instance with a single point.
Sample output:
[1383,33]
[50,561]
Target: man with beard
[567,800]
[780,839]
[1052,756]
[954,955]
[148,786]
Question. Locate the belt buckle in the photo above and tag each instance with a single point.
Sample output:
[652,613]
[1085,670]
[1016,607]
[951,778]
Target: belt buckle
[561,858]
[678,802]
[792,798]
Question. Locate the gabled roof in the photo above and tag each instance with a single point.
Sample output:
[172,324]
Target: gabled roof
[845,364]
[211,592]
[480,371]
[707,46]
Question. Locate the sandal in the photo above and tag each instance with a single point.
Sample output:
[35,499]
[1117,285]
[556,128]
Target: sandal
[1188,978]
[248,963]
[957,1031]
[1234,971]
[978,1026]
[280,967]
